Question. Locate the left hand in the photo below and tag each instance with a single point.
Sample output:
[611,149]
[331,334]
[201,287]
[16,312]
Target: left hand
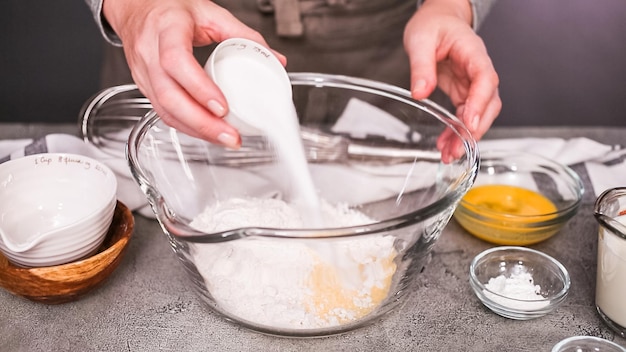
[444,50]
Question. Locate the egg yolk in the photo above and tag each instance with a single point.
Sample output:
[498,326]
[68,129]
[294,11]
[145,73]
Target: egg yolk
[508,200]
[502,214]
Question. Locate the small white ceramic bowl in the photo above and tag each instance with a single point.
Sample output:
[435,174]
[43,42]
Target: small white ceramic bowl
[54,208]
[500,277]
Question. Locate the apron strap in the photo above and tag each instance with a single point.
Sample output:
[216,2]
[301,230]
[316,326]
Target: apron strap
[288,20]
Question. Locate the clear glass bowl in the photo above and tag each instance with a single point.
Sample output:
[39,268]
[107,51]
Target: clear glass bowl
[521,176]
[587,344]
[515,263]
[282,280]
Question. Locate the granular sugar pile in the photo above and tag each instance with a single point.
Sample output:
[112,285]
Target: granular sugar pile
[290,283]
[518,286]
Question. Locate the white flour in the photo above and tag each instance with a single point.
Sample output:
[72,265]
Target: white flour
[285,283]
[517,286]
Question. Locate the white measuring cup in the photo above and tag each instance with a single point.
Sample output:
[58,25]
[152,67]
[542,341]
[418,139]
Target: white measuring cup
[242,68]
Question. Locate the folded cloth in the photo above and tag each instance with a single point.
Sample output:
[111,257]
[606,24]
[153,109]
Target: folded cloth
[360,120]
[567,152]
[605,164]
[607,172]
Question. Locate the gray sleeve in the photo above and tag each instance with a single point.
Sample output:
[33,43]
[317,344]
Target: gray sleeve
[480,10]
[105,28]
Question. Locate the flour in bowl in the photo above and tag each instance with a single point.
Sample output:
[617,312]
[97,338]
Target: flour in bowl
[286,283]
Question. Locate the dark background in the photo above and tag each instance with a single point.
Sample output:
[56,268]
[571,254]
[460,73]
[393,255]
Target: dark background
[561,62]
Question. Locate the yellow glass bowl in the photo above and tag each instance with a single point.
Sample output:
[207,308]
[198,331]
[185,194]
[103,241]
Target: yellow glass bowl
[513,221]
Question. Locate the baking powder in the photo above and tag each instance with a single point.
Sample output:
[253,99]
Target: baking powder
[519,286]
[287,283]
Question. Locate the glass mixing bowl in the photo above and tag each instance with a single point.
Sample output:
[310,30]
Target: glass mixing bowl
[372,152]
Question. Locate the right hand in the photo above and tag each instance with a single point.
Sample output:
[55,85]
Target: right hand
[158,38]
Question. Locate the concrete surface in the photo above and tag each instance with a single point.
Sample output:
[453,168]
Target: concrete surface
[146,304]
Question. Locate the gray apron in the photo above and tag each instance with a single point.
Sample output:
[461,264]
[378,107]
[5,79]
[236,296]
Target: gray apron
[361,38]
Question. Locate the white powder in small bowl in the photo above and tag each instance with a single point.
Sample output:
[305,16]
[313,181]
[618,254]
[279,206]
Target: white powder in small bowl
[520,287]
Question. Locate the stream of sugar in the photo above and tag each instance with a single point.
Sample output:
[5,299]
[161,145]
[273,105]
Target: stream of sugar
[267,106]
[265,103]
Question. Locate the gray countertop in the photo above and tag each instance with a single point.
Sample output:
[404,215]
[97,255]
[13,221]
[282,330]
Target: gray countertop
[146,305]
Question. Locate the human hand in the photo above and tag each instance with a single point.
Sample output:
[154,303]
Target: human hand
[158,38]
[444,50]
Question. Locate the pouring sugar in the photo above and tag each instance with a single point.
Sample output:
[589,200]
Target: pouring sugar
[259,94]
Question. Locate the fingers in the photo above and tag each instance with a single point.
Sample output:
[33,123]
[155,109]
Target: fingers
[178,62]
[450,145]
[158,43]
[421,47]
[178,109]
[196,121]
[488,116]
[217,24]
[160,55]
[483,104]
[190,101]
[164,68]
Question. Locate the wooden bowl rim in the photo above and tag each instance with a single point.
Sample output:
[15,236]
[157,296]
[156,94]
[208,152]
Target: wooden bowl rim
[110,244]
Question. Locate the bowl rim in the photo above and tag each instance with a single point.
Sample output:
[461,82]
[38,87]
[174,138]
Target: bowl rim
[596,339]
[480,287]
[528,221]
[451,197]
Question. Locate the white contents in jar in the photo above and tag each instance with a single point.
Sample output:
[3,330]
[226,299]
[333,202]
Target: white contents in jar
[285,283]
[520,287]
[611,280]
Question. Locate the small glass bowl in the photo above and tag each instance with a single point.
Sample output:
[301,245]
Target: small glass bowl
[519,198]
[586,344]
[550,275]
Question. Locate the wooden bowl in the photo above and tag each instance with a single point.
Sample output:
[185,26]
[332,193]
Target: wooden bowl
[68,282]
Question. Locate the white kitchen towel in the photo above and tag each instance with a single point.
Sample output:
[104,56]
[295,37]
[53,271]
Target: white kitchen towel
[567,152]
[606,165]
[608,171]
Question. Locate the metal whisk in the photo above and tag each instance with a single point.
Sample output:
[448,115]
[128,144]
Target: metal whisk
[108,117]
